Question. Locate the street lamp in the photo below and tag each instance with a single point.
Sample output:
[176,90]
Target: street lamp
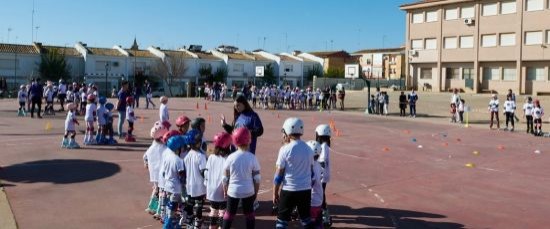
[107,68]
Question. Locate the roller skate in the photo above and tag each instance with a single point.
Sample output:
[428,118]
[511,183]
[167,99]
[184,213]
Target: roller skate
[112,141]
[73,144]
[153,205]
[20,113]
[64,143]
[327,219]
[197,223]
[129,138]
[294,215]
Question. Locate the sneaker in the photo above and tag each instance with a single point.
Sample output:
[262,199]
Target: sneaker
[512,129]
[256,205]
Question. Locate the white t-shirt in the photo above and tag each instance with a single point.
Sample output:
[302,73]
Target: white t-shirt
[130,116]
[83,96]
[455,99]
[241,166]
[493,105]
[101,110]
[528,108]
[153,156]
[163,112]
[49,94]
[195,162]
[22,95]
[164,155]
[90,112]
[173,165]
[509,106]
[69,121]
[62,89]
[317,188]
[296,158]
[213,178]
[325,157]
[538,112]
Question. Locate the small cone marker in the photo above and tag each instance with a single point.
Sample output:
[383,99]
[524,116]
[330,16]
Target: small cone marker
[48,126]
[537,151]
[476,153]
[386,149]
[278,115]
[420,146]
[470,165]
[141,119]
[500,147]
[445,144]
[197,107]
[205,107]
[209,119]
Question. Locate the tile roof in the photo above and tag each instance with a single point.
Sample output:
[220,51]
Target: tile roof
[177,53]
[14,48]
[261,58]
[140,53]
[68,51]
[104,52]
[401,49]
[238,56]
[206,56]
[287,58]
[325,54]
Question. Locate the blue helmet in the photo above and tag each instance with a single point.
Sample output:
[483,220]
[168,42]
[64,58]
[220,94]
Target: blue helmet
[102,100]
[109,106]
[176,142]
[193,136]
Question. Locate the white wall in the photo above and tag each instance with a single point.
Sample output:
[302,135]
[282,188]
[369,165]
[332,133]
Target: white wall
[27,67]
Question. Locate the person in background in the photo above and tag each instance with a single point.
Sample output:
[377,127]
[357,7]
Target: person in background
[493,110]
[402,104]
[121,107]
[35,94]
[148,95]
[528,114]
[413,98]
[62,94]
[461,110]
[22,97]
[509,110]
[137,94]
[244,116]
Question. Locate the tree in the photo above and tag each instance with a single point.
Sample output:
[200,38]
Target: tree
[220,74]
[206,72]
[334,72]
[315,71]
[53,66]
[170,70]
[269,74]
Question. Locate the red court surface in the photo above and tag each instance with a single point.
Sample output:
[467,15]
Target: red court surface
[387,172]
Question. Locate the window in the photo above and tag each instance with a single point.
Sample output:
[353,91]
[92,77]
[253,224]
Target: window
[466,42]
[533,5]
[453,73]
[507,39]
[488,40]
[431,43]
[238,67]
[426,73]
[451,14]
[450,42]
[468,73]
[289,68]
[431,16]
[533,38]
[491,73]
[508,7]
[417,44]
[490,9]
[418,17]
[467,12]
[535,73]
[100,66]
[509,73]
[548,37]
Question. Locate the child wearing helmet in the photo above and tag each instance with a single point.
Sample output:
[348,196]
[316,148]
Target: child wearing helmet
[70,128]
[509,110]
[173,173]
[213,177]
[152,160]
[322,136]
[241,180]
[160,213]
[48,96]
[131,118]
[195,164]
[493,109]
[163,109]
[538,112]
[108,129]
[182,123]
[83,98]
[22,97]
[101,121]
[317,191]
[89,118]
[292,180]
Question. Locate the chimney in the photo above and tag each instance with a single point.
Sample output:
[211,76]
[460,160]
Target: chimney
[296,52]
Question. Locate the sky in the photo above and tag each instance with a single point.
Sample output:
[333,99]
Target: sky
[273,25]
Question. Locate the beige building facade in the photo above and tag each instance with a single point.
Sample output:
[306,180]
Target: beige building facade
[387,63]
[479,45]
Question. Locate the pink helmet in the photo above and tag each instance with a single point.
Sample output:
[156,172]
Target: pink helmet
[169,134]
[182,120]
[158,131]
[91,97]
[222,140]
[241,136]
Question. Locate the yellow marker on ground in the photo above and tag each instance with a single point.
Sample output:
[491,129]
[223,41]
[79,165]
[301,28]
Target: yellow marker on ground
[470,165]
[48,126]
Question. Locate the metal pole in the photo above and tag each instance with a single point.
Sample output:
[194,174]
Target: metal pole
[106,72]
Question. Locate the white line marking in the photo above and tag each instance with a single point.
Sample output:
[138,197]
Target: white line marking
[379,197]
[263,191]
[489,169]
[145,226]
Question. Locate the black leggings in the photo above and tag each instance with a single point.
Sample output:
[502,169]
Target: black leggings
[248,210]
[324,205]
[38,102]
[290,200]
[529,123]
[510,118]
[193,206]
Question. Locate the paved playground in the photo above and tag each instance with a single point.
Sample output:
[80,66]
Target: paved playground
[388,172]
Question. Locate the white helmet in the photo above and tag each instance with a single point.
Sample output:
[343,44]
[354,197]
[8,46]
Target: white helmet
[314,145]
[323,130]
[293,126]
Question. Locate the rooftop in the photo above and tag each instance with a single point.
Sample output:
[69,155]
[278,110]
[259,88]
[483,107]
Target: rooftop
[428,3]
[140,53]
[14,48]
[325,54]
[67,51]
[382,50]
[238,56]
[287,58]
[206,56]
[104,52]
[181,54]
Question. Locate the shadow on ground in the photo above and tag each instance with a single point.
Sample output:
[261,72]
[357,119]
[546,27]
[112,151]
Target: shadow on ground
[58,171]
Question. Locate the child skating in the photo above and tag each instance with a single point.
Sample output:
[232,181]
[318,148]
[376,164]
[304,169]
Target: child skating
[131,118]
[152,160]
[317,192]
[109,123]
[528,114]
[509,110]
[214,176]
[101,121]
[163,109]
[322,136]
[195,165]
[89,118]
[538,112]
[70,129]
[22,97]
[493,110]
[182,123]
[173,171]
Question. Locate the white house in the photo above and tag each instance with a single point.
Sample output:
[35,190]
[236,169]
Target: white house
[18,63]
[240,65]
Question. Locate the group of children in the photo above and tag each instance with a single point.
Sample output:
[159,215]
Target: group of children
[184,177]
[532,112]
[293,99]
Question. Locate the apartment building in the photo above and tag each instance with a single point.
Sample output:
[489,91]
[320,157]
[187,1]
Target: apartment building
[478,45]
[386,63]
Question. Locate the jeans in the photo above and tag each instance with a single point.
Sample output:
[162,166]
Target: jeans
[412,110]
[121,118]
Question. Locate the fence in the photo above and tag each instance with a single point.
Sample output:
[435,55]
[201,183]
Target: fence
[358,84]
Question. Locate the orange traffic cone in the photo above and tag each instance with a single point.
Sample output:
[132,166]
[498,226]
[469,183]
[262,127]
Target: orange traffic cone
[209,119]
[205,107]
[278,115]
[197,107]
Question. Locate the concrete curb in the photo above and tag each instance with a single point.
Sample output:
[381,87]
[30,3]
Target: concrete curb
[7,219]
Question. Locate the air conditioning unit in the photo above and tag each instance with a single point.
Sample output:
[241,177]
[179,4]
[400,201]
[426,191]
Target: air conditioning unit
[469,21]
[413,53]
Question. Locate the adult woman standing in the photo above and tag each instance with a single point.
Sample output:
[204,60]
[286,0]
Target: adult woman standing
[244,116]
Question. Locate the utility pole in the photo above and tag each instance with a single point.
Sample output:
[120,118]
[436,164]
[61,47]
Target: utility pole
[9,31]
[32,23]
